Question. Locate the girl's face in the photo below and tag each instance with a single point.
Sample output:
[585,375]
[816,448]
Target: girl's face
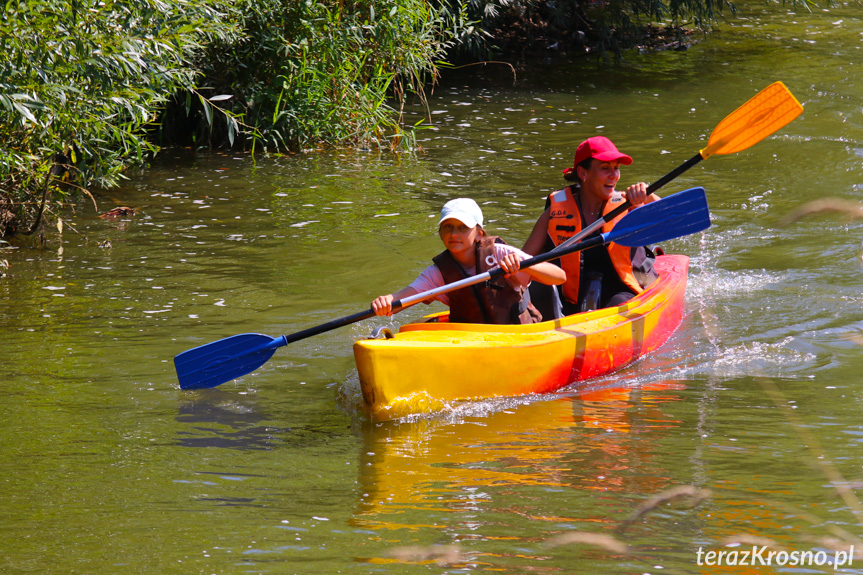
[457,237]
[600,179]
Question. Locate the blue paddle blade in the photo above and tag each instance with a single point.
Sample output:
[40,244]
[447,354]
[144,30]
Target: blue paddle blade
[671,217]
[215,363]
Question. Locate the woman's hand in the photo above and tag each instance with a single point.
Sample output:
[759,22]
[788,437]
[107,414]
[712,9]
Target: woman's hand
[637,194]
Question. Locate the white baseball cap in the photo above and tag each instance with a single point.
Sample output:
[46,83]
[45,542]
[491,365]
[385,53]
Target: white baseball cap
[464,210]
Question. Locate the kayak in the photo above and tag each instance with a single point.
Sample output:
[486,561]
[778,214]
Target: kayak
[431,365]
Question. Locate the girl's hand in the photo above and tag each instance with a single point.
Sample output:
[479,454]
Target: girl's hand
[383,305]
[510,264]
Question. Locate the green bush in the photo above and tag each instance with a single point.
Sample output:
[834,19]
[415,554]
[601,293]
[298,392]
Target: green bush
[88,87]
[79,82]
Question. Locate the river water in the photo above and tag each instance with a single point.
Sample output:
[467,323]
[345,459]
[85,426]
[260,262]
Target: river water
[753,403]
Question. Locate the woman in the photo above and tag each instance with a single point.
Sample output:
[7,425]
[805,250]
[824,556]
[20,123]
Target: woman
[599,277]
[469,251]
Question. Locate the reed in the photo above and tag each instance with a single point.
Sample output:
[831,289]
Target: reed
[318,73]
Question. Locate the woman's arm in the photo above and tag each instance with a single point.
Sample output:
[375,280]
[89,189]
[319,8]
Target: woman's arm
[536,241]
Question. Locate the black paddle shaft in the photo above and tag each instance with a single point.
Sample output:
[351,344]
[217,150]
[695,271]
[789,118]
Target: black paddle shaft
[330,325]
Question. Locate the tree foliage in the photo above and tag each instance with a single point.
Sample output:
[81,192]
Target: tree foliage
[79,81]
[515,27]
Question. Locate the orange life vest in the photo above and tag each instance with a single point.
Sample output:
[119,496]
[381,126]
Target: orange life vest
[565,221]
[496,301]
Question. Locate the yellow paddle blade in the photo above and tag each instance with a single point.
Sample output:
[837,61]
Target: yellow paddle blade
[766,112]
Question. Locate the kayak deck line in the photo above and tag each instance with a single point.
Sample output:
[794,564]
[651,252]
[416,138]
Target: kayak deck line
[427,366]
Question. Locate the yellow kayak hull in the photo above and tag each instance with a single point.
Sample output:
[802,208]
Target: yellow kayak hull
[427,366]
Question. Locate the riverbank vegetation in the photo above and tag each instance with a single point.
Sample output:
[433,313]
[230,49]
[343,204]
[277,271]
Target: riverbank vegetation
[80,81]
[89,88]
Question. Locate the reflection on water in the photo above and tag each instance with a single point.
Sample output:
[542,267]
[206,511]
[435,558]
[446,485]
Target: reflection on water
[222,419]
[600,440]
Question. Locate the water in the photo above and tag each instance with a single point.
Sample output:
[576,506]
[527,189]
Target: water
[110,468]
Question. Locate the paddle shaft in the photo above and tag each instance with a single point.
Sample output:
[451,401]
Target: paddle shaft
[485,276]
[329,326]
[398,305]
[626,205]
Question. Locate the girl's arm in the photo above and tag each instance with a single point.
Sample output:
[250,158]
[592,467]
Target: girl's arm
[545,272]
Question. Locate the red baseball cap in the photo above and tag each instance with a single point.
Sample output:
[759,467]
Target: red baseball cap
[600,148]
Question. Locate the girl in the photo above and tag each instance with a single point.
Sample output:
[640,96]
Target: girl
[470,251]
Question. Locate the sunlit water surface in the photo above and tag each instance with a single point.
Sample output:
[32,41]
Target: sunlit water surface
[110,468]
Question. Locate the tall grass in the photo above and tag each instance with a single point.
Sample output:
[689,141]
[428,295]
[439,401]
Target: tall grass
[312,72]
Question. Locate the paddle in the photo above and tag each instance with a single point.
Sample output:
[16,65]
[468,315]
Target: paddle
[215,363]
[765,113]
